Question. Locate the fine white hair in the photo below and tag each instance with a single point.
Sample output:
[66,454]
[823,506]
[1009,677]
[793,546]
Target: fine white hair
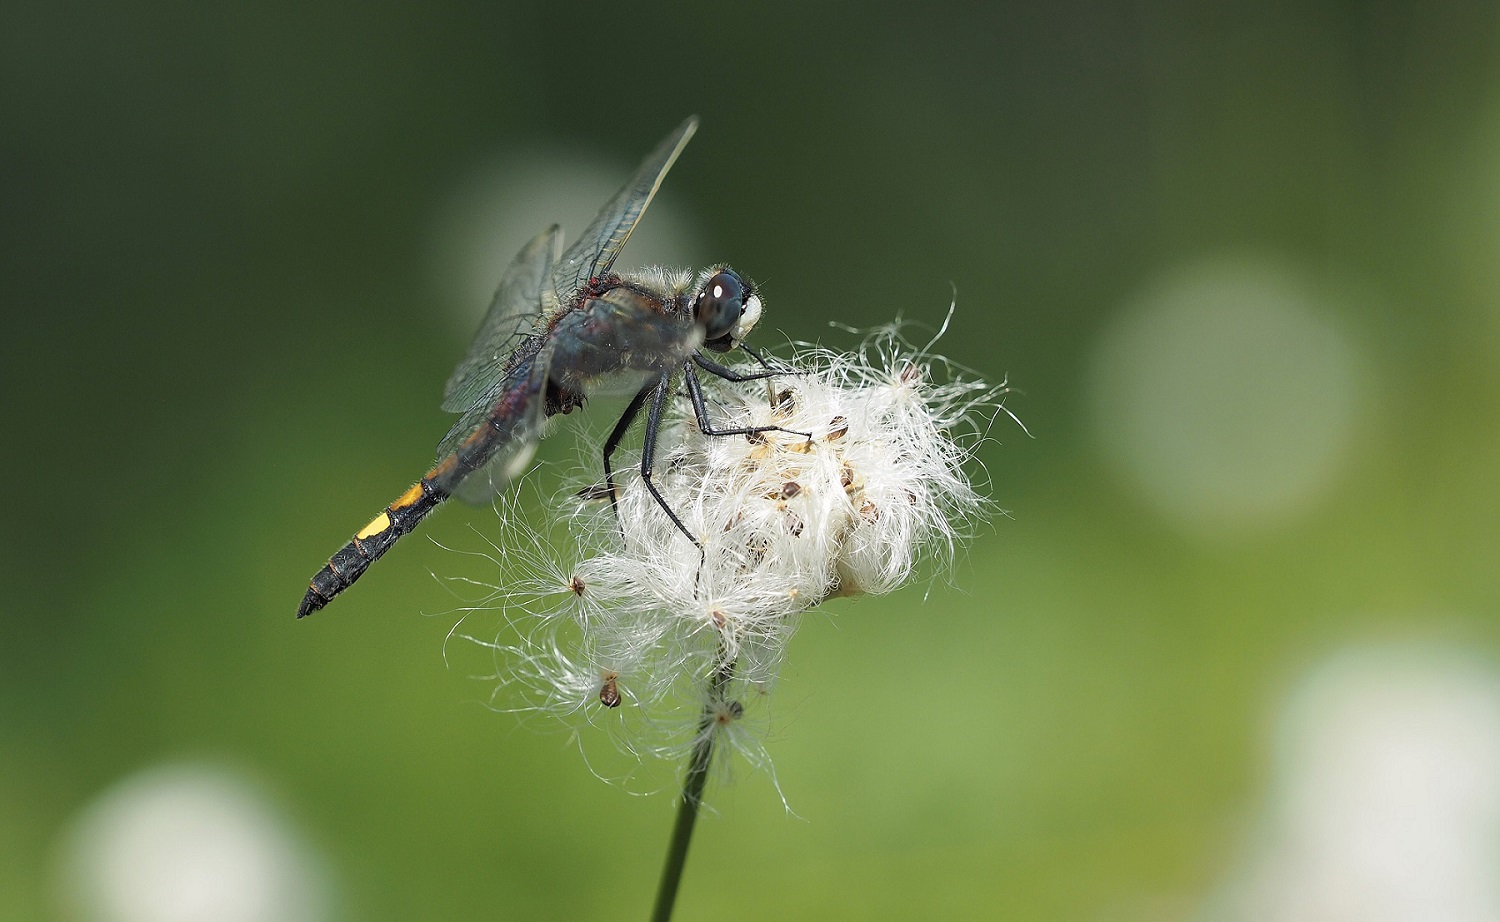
[863,479]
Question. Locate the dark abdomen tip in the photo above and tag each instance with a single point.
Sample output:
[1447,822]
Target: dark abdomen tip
[354,558]
[325,585]
[310,603]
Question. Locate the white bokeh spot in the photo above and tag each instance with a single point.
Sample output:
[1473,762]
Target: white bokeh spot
[188,843]
[1385,804]
[1227,394]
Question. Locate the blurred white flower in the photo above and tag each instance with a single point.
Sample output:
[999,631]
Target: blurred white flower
[1385,805]
[1230,395]
[188,843]
[862,480]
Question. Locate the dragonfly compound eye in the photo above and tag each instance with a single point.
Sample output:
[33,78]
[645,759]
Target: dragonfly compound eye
[720,304]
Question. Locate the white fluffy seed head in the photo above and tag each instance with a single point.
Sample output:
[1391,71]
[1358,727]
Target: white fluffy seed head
[863,477]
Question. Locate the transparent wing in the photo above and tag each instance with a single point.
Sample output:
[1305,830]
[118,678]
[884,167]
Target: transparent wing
[489,481]
[596,249]
[517,403]
[513,314]
[508,463]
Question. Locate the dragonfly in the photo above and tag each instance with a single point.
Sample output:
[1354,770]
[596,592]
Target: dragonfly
[562,321]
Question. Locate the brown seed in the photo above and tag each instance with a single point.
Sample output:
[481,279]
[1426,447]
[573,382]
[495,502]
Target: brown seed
[838,428]
[868,512]
[790,488]
[576,584]
[846,476]
[785,402]
[717,617]
[755,438]
[609,692]
[793,523]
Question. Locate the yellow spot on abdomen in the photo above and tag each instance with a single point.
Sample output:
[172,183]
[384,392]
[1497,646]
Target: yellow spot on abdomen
[409,497]
[377,525]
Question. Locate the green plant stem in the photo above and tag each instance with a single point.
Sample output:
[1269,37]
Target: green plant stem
[692,796]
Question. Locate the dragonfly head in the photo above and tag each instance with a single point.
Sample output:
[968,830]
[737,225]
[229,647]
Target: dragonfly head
[727,308]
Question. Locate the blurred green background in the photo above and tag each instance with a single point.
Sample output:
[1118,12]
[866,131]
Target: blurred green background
[1243,262]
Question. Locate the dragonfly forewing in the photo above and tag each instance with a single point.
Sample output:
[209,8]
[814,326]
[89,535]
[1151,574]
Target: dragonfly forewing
[593,254]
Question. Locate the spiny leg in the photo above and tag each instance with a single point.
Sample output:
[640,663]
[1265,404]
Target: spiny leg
[610,444]
[662,391]
[729,374]
[700,410]
[778,368]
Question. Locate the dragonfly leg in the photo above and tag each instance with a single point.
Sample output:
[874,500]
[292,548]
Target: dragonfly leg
[778,368]
[613,442]
[700,410]
[661,391]
[729,374]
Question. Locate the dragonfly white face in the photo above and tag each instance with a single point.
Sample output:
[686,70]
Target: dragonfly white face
[748,319]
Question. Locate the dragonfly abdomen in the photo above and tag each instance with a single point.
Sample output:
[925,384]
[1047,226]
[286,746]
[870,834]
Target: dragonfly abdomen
[353,559]
[401,517]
